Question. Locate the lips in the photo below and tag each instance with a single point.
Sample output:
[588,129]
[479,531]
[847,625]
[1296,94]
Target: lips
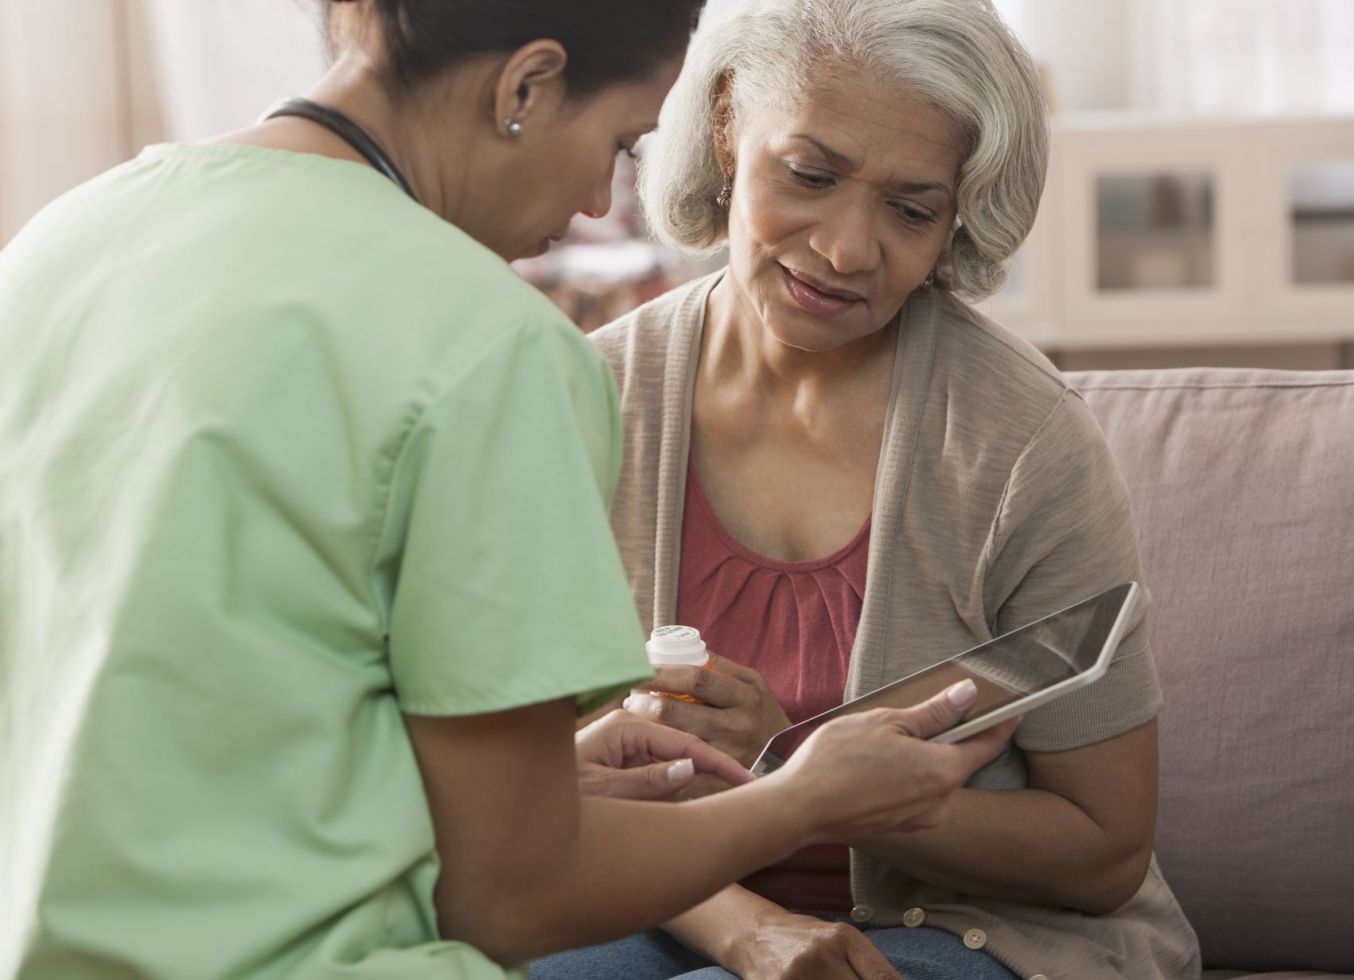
[826,290]
[816,297]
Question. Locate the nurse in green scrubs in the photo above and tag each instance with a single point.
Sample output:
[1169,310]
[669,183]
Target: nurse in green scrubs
[305,568]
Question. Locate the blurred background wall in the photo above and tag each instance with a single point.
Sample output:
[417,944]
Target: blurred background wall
[84,84]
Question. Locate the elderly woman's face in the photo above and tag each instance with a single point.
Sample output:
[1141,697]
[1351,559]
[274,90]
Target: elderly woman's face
[842,203]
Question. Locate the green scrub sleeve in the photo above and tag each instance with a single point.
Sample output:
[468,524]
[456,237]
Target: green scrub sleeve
[510,589]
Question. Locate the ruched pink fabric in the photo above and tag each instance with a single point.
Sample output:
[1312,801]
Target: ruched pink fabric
[792,622]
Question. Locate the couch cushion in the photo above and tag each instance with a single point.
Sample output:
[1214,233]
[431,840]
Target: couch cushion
[1242,485]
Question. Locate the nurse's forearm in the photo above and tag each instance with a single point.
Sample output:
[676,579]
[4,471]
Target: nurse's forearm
[686,851]
[529,867]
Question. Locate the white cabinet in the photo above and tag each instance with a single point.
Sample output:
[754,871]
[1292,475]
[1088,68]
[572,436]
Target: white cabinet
[1191,233]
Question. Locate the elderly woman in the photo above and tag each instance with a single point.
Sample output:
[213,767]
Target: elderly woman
[841,474]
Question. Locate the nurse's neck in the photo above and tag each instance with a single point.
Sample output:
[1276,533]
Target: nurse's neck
[439,139]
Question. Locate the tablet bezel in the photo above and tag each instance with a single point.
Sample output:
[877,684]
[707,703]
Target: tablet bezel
[996,716]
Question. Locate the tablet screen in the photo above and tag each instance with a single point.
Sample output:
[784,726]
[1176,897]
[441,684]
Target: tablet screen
[1024,661]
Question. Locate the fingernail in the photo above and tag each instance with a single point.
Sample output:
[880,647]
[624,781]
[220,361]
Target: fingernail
[962,693]
[628,704]
[681,770]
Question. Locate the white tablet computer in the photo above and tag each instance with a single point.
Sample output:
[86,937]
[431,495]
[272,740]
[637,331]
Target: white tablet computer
[1015,672]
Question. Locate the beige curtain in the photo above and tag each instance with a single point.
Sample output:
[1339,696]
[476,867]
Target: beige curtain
[1193,57]
[221,64]
[76,96]
[1229,57]
[85,84]
[1080,46]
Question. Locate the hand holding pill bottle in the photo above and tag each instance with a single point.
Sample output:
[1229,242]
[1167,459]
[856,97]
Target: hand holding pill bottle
[677,646]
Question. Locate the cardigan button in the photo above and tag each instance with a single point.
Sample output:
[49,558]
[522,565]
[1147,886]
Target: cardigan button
[862,913]
[915,917]
[975,939]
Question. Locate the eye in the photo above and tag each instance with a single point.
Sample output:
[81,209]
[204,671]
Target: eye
[912,214]
[808,178]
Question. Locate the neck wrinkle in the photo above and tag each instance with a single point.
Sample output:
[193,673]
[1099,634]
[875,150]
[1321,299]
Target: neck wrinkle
[739,349]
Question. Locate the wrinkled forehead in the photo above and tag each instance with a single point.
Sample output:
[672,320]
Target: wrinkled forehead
[853,116]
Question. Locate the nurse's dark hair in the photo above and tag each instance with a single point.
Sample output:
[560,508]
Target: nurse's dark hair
[609,42]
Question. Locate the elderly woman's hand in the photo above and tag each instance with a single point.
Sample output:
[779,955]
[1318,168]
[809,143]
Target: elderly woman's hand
[785,946]
[737,712]
[625,756]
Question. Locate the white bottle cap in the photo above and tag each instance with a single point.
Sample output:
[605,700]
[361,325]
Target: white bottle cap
[676,646]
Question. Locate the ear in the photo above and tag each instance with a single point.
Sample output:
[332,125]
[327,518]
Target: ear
[721,123]
[529,82]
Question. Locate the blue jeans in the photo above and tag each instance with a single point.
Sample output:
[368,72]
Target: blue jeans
[919,954]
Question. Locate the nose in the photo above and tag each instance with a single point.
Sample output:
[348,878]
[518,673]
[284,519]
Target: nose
[846,235]
[600,201]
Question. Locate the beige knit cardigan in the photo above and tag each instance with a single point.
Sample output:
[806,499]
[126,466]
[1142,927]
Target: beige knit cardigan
[996,503]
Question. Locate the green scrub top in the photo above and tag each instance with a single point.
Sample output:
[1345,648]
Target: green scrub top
[283,456]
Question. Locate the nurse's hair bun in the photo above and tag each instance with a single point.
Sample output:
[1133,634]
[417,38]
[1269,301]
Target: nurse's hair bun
[610,42]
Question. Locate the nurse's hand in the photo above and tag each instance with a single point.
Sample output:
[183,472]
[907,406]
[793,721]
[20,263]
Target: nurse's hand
[737,712]
[625,756]
[872,773]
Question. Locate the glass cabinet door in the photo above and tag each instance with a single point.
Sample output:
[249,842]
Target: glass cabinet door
[1155,231]
[1321,209]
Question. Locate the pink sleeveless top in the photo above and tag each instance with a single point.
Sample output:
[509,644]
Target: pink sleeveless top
[792,622]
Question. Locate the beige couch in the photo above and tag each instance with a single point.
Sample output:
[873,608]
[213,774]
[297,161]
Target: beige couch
[1243,489]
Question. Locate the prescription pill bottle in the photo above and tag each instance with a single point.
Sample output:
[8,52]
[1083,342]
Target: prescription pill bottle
[677,646]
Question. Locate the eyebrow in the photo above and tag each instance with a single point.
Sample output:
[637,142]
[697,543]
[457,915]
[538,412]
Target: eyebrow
[846,163]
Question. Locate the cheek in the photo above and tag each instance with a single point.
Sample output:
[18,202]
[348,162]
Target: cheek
[560,185]
[770,218]
[589,171]
[768,228]
[917,254]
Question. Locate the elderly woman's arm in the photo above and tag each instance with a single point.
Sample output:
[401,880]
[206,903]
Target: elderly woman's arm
[1074,838]
[755,939]
[1080,836]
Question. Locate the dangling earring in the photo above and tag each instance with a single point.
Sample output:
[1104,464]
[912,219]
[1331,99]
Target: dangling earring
[513,127]
[725,196]
[929,281]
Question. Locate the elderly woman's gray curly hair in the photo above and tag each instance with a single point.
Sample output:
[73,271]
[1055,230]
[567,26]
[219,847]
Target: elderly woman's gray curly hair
[957,54]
